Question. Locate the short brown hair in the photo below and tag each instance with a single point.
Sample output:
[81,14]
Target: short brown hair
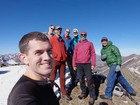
[23,43]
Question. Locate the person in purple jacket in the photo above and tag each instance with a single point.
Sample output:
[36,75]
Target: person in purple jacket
[84,60]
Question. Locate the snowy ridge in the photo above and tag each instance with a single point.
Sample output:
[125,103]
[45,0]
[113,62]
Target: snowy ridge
[10,75]
[131,69]
[135,66]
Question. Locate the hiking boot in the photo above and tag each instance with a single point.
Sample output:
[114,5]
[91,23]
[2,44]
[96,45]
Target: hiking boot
[76,82]
[69,91]
[71,86]
[105,97]
[91,101]
[133,94]
[67,97]
[82,96]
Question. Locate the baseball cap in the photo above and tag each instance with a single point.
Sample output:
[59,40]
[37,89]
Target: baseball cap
[104,39]
[58,27]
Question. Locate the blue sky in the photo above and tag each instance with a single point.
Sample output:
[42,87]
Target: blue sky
[119,20]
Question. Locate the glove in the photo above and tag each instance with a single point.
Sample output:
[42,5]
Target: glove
[118,68]
[103,57]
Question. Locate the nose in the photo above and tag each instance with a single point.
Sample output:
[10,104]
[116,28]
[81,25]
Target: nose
[46,56]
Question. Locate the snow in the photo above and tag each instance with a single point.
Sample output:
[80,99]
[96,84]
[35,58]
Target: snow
[11,62]
[134,70]
[10,75]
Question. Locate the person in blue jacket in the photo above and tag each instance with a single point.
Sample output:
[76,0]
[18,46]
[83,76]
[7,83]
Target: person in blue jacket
[73,43]
[67,39]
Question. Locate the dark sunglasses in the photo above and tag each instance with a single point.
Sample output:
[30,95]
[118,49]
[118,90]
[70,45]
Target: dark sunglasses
[104,40]
[83,34]
[52,28]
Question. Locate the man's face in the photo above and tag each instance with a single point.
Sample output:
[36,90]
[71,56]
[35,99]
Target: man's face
[39,58]
[51,29]
[104,43]
[67,32]
[75,33]
[83,36]
[58,32]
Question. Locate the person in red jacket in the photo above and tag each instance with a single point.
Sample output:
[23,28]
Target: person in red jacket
[59,56]
[84,62]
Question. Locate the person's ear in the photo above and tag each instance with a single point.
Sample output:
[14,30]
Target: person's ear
[23,58]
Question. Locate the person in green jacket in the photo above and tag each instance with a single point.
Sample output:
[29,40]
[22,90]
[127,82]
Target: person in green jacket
[111,54]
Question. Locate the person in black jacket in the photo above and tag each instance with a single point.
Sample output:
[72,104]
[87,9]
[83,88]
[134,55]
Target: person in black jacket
[34,88]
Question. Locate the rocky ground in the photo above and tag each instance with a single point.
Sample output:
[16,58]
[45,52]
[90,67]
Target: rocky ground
[133,79]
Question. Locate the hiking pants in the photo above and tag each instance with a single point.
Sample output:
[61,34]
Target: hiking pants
[72,72]
[84,70]
[114,77]
[61,66]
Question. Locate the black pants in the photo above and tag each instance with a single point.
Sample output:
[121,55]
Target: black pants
[84,70]
[72,72]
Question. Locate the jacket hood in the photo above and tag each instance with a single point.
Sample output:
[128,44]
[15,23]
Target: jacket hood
[108,44]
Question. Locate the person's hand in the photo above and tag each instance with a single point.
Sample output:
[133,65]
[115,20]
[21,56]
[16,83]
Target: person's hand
[103,57]
[92,67]
[74,68]
[118,68]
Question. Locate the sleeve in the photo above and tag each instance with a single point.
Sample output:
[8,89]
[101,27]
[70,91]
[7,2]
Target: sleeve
[51,42]
[71,47]
[26,100]
[117,53]
[93,56]
[65,50]
[103,55]
[22,95]
[74,56]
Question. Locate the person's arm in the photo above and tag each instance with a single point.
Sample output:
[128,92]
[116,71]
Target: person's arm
[103,55]
[22,94]
[26,99]
[71,47]
[74,58]
[65,49]
[117,53]
[93,57]
[51,41]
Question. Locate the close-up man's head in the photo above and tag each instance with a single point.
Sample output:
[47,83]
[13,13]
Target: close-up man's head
[58,30]
[104,41]
[83,35]
[36,53]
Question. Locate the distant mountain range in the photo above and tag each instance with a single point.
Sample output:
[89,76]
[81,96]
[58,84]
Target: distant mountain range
[132,62]
[9,59]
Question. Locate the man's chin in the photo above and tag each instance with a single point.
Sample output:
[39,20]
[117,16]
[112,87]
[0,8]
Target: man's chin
[47,73]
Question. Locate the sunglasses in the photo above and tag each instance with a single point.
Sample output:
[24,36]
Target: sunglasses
[52,28]
[83,34]
[104,40]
